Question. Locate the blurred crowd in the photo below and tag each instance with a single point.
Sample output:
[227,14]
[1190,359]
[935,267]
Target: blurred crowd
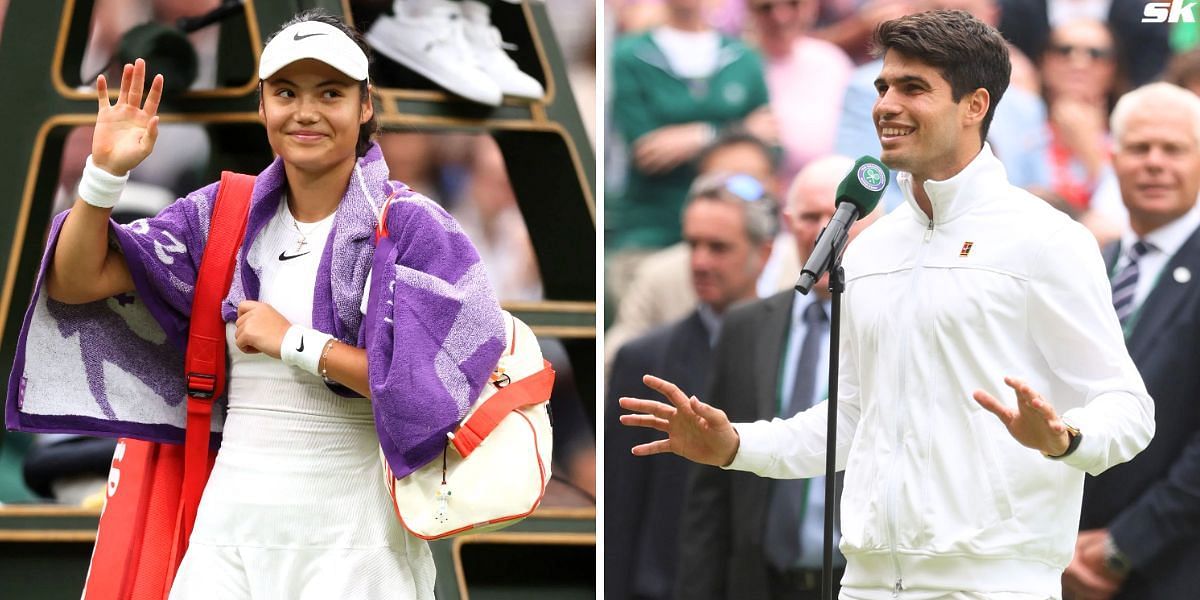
[798,75]
[464,172]
[703,94]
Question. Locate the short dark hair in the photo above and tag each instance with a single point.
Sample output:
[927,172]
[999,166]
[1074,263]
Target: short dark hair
[738,137]
[968,53]
[366,131]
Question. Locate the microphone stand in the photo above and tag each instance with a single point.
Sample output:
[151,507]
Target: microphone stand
[837,284]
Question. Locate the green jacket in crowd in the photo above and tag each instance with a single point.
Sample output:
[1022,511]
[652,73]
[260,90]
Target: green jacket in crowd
[647,95]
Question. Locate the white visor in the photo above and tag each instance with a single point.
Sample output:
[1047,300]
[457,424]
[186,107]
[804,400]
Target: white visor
[315,40]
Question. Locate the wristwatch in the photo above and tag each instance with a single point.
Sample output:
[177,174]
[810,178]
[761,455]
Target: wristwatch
[1073,437]
[1114,560]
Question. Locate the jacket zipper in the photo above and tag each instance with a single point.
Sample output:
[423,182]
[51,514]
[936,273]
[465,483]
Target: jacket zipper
[892,533]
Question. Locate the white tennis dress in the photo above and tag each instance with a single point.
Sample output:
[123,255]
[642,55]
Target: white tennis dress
[296,507]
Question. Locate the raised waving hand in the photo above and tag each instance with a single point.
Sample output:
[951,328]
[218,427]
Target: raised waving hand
[126,131]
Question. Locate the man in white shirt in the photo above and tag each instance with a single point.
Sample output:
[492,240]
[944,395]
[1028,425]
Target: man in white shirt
[973,297]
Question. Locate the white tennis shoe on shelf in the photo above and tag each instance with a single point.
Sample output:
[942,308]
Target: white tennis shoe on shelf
[428,37]
[489,50]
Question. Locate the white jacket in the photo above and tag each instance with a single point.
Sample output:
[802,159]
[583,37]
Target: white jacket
[938,496]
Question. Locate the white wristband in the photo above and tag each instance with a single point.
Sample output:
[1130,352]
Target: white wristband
[99,187]
[302,348]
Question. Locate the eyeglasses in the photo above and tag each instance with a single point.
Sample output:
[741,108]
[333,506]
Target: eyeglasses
[764,8]
[740,185]
[1092,52]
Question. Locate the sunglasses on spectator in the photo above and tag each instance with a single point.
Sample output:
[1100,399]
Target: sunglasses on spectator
[740,185]
[764,8]
[1092,52]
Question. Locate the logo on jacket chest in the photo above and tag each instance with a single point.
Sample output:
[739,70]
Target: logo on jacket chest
[734,93]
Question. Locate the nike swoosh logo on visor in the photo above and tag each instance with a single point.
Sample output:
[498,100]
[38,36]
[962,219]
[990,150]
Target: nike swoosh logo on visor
[301,348]
[299,37]
[284,256]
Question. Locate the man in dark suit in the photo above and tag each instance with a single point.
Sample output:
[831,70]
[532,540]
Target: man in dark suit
[1140,525]
[729,223]
[731,519]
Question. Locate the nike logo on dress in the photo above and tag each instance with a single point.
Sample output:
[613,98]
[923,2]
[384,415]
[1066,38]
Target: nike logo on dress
[301,348]
[299,37]
[283,255]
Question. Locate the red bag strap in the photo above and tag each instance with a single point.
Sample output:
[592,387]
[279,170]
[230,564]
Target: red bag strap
[531,390]
[204,363]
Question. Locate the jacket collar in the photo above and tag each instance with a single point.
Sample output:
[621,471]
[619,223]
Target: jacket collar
[951,198]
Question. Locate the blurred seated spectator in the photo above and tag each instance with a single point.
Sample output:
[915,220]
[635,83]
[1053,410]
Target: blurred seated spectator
[632,16]
[662,291]
[674,88]
[1144,47]
[852,31]
[806,78]
[489,215]
[1080,80]
[418,159]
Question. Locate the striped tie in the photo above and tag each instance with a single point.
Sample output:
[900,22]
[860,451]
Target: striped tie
[1124,285]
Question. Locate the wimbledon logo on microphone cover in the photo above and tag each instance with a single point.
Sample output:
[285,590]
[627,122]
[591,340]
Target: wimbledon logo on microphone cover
[871,177]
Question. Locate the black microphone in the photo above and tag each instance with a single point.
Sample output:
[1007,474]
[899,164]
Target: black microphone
[857,195]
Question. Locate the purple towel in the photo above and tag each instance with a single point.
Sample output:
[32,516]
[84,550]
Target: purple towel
[432,331]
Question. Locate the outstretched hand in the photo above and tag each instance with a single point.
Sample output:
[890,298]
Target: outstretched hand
[126,131]
[695,430]
[1033,423]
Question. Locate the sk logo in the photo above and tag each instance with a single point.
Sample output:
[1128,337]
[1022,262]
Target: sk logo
[966,249]
[1176,11]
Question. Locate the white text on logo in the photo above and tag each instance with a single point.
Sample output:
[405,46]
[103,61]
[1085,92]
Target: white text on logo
[1169,12]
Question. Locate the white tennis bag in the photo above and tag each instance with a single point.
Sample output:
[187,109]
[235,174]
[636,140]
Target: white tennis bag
[496,464]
